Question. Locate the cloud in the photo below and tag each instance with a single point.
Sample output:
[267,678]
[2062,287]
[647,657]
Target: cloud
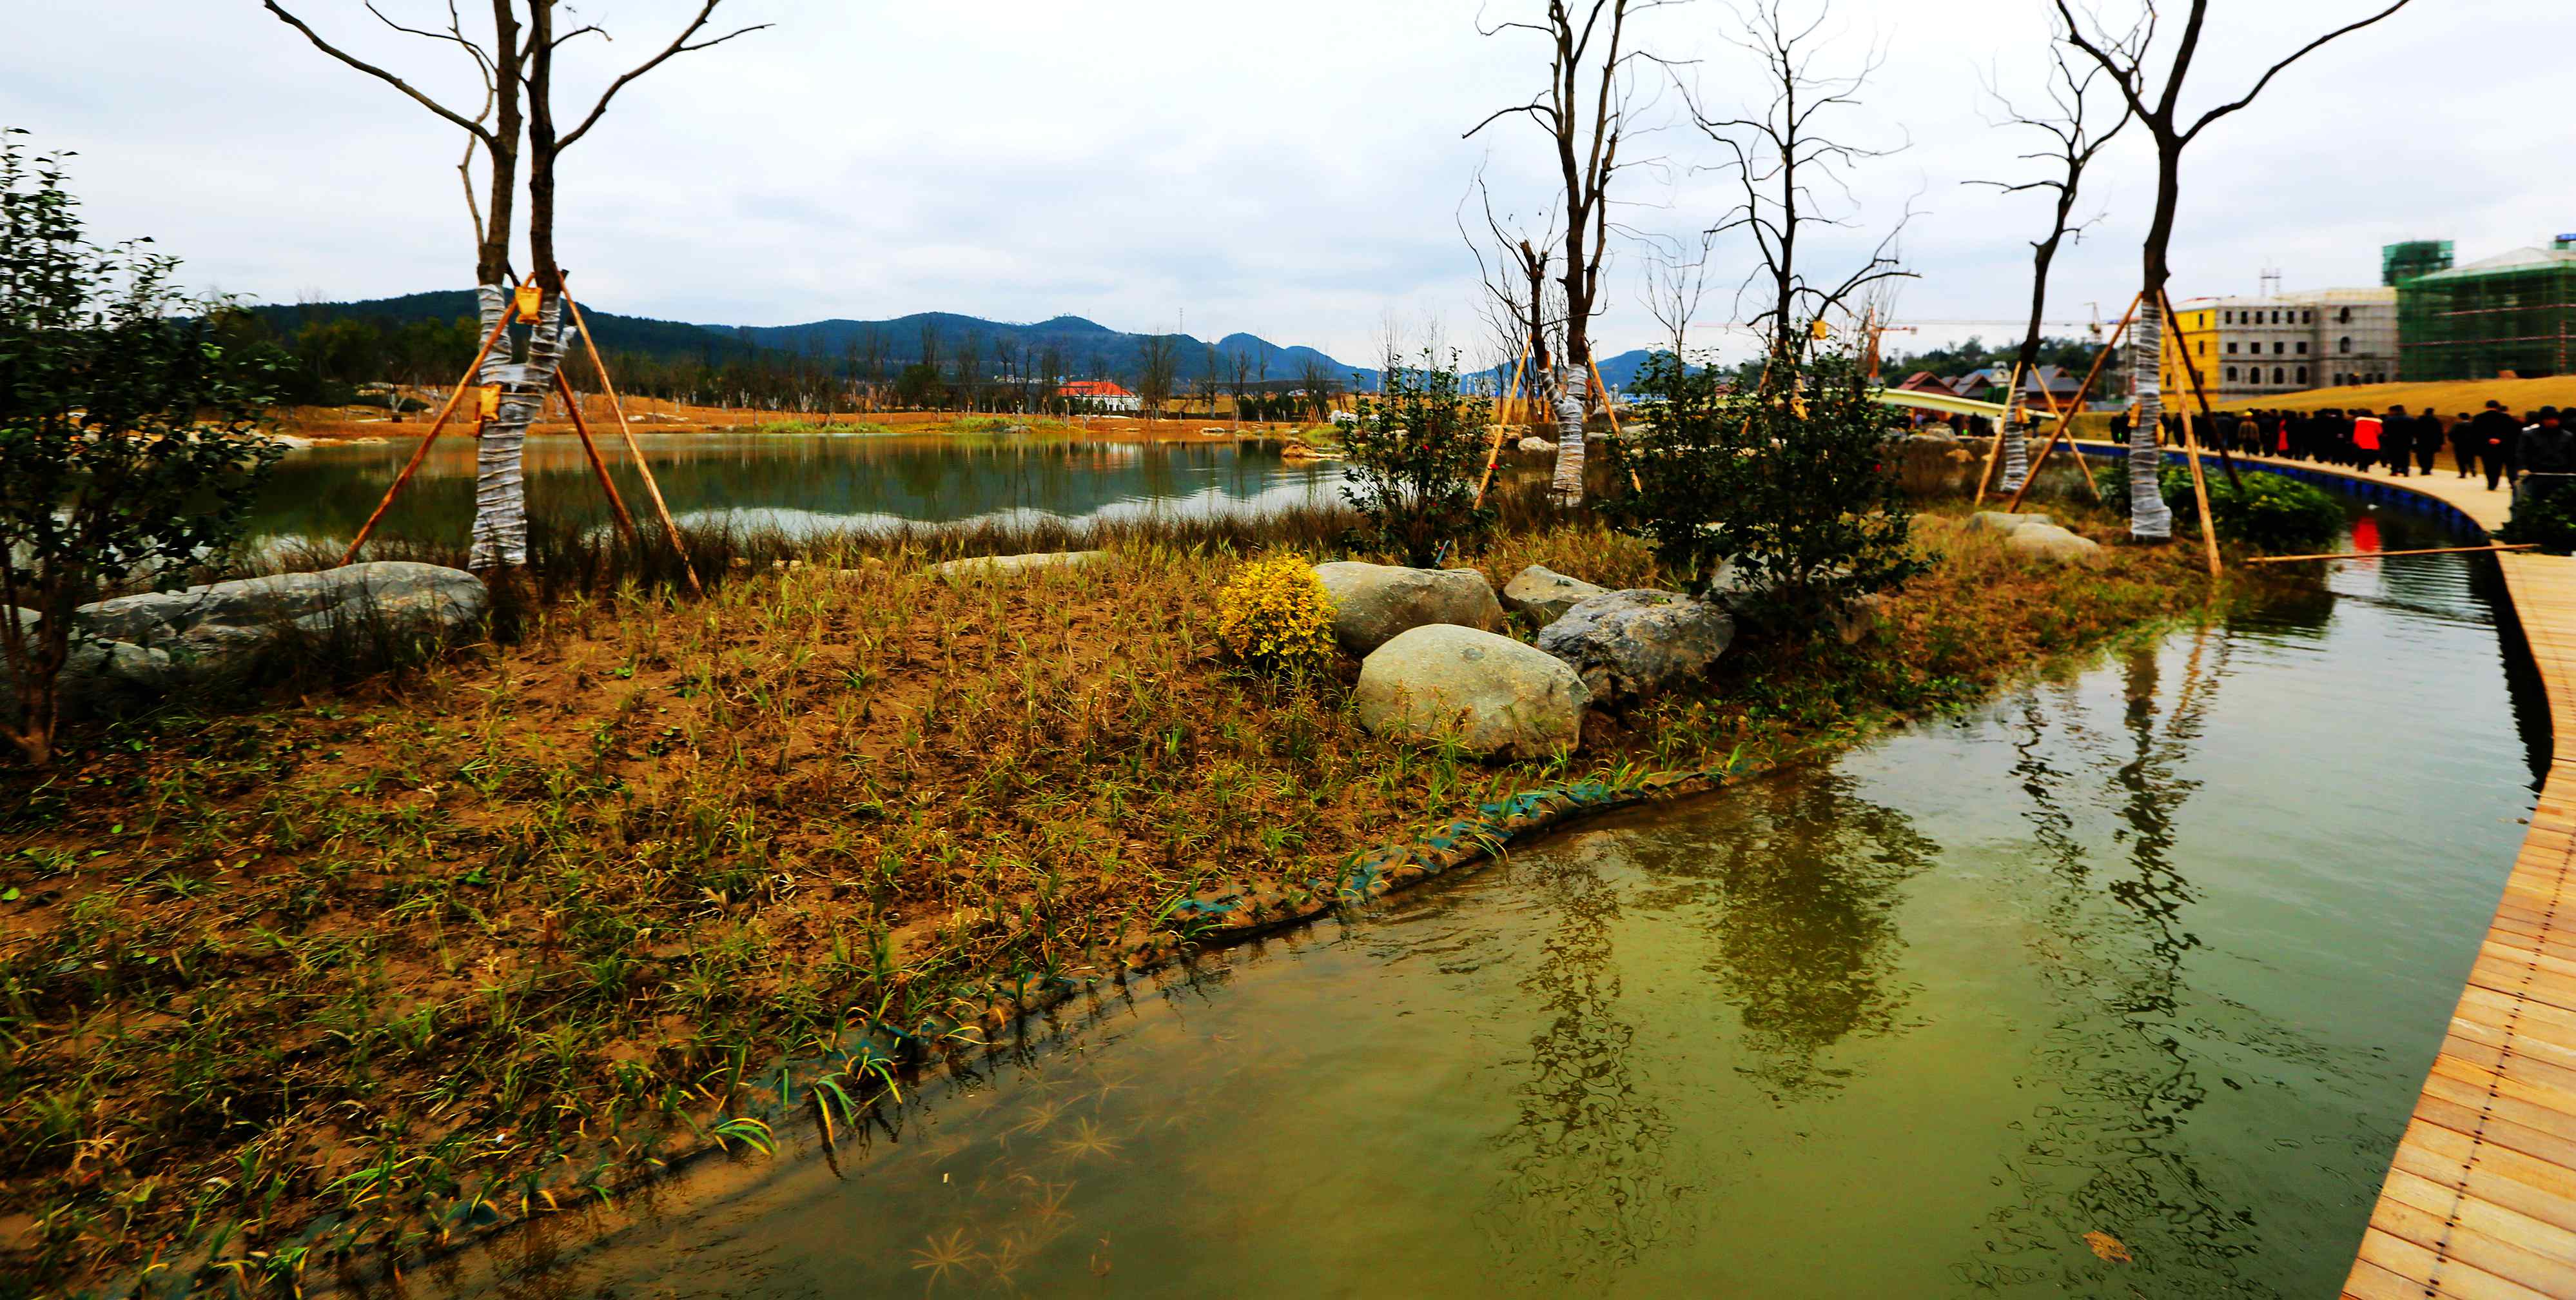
[1289,171]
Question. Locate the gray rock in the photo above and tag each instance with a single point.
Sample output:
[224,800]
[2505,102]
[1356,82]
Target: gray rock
[997,566]
[1546,592]
[1374,602]
[1857,617]
[1997,521]
[1536,444]
[1634,643]
[2052,544]
[212,620]
[1489,692]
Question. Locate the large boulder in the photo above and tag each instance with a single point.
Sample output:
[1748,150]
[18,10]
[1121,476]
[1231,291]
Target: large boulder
[1000,566]
[1374,602]
[1634,643]
[215,619]
[2051,544]
[1998,521]
[1489,692]
[164,638]
[1537,444]
[1546,593]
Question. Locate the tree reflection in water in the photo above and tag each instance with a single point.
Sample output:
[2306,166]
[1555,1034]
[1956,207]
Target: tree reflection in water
[1585,1188]
[1797,881]
[1799,885]
[2137,1050]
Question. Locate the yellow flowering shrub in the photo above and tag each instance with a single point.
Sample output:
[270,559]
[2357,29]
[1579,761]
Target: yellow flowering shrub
[1275,616]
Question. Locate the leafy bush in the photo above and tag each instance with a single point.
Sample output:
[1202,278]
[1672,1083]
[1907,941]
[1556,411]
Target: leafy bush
[1789,486]
[1275,616]
[1414,452]
[2268,512]
[131,441]
[2544,514]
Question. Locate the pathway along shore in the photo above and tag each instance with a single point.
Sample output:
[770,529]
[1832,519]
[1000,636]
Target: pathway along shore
[2480,1200]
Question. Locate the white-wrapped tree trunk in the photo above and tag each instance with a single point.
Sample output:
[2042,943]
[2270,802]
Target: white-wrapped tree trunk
[2149,518]
[1568,484]
[2016,452]
[500,489]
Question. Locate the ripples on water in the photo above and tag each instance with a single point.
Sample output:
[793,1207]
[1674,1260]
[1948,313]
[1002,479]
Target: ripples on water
[2159,950]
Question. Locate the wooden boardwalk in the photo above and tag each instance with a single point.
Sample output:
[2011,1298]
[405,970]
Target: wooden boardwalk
[2481,1198]
[2480,1201]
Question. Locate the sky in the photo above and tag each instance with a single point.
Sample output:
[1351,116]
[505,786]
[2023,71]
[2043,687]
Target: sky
[1294,171]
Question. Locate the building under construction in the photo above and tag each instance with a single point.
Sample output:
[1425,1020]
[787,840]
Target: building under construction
[2512,315]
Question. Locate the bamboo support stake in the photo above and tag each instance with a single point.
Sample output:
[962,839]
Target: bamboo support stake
[652,489]
[1611,409]
[2199,482]
[2066,417]
[1494,453]
[2173,324]
[421,452]
[2374,555]
[616,504]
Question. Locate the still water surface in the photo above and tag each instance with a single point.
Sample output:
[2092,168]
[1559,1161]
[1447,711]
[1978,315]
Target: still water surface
[802,484]
[2159,949]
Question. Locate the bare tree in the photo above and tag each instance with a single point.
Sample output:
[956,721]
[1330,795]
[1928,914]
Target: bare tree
[1676,281]
[2070,123]
[1517,301]
[2159,109]
[517,63]
[1157,360]
[1782,159]
[1316,381]
[1238,364]
[1585,112]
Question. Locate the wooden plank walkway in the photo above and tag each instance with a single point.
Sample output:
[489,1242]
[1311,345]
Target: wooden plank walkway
[2480,1200]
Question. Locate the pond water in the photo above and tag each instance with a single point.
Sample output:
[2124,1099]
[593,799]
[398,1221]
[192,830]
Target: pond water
[802,484]
[2158,950]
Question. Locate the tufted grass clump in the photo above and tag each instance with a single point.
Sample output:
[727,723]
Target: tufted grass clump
[1275,616]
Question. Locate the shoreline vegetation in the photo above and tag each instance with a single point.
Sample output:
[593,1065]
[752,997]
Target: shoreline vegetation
[380,957]
[305,427]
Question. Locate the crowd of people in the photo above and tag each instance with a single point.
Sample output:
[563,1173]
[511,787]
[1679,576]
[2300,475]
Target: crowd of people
[2494,442]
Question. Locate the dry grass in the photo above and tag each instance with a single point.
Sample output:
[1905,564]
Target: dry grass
[340,975]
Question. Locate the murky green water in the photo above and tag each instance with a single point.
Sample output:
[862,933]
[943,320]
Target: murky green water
[2159,950]
[800,483]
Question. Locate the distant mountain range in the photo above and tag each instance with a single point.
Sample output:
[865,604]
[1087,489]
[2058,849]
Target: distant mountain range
[1084,347]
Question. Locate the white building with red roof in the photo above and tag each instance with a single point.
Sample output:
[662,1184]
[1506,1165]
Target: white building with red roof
[1100,395]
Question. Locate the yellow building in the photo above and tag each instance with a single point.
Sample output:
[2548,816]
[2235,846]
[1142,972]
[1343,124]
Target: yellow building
[2198,334]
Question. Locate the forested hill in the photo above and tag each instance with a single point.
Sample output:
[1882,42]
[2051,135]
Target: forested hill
[1082,347]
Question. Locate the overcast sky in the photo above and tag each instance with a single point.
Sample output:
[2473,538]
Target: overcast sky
[1292,170]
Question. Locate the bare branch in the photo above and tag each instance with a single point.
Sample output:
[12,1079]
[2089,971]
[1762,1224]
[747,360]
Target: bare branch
[679,45]
[476,128]
[2277,68]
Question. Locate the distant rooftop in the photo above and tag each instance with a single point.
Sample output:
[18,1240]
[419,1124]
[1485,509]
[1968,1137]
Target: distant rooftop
[2520,259]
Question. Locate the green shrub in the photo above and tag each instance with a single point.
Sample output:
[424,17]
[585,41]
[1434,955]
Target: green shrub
[2267,512]
[1415,452]
[2544,514]
[1790,486]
